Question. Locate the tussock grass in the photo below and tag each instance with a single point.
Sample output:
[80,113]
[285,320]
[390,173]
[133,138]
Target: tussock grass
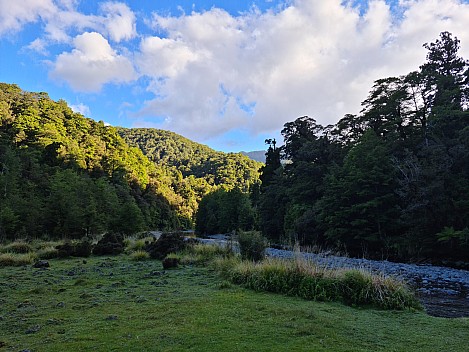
[15,259]
[303,278]
[47,252]
[19,247]
[133,244]
[200,253]
[139,255]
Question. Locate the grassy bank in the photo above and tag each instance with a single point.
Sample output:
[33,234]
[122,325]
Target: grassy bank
[118,304]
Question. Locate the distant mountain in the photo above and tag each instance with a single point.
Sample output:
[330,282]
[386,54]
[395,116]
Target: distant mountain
[257,155]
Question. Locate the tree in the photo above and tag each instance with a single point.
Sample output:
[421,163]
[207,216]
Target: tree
[359,207]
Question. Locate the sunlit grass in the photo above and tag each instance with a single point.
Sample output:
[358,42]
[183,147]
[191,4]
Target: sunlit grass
[116,304]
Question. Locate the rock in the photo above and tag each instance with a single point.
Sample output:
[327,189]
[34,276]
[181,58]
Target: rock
[111,317]
[41,264]
[33,329]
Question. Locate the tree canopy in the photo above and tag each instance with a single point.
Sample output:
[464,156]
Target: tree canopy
[392,181]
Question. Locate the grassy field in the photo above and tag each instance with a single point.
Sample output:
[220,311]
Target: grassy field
[116,304]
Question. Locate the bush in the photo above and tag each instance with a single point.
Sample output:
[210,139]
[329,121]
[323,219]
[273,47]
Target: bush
[252,245]
[170,262]
[74,249]
[169,242]
[110,244]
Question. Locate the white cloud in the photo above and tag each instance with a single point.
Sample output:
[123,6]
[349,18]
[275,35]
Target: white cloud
[119,21]
[81,108]
[211,72]
[92,64]
[15,14]
[214,72]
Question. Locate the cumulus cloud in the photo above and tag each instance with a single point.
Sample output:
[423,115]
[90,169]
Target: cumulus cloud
[213,72]
[119,21]
[15,14]
[92,64]
[62,21]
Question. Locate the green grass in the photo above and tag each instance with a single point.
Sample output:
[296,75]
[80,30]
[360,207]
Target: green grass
[304,278]
[116,304]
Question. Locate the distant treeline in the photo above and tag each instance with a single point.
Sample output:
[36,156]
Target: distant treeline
[392,181]
[64,175]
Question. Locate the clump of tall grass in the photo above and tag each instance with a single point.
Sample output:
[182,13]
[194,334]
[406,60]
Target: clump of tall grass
[203,253]
[18,247]
[139,255]
[303,278]
[49,252]
[133,244]
[17,259]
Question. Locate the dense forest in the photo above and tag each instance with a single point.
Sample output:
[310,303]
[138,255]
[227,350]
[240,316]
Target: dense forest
[196,170]
[390,182]
[64,175]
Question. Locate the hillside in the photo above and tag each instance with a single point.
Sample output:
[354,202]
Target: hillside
[62,174]
[205,166]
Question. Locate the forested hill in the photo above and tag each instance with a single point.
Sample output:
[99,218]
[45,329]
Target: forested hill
[62,174]
[191,159]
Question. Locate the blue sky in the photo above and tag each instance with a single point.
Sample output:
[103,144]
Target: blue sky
[228,74]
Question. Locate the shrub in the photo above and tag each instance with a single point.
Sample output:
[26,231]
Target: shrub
[170,262]
[252,245]
[110,244]
[139,255]
[81,248]
[169,242]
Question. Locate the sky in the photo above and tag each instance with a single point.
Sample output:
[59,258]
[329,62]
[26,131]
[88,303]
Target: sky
[228,74]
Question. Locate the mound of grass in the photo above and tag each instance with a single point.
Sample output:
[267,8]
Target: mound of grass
[139,255]
[132,244]
[19,247]
[200,253]
[15,259]
[47,252]
[303,278]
